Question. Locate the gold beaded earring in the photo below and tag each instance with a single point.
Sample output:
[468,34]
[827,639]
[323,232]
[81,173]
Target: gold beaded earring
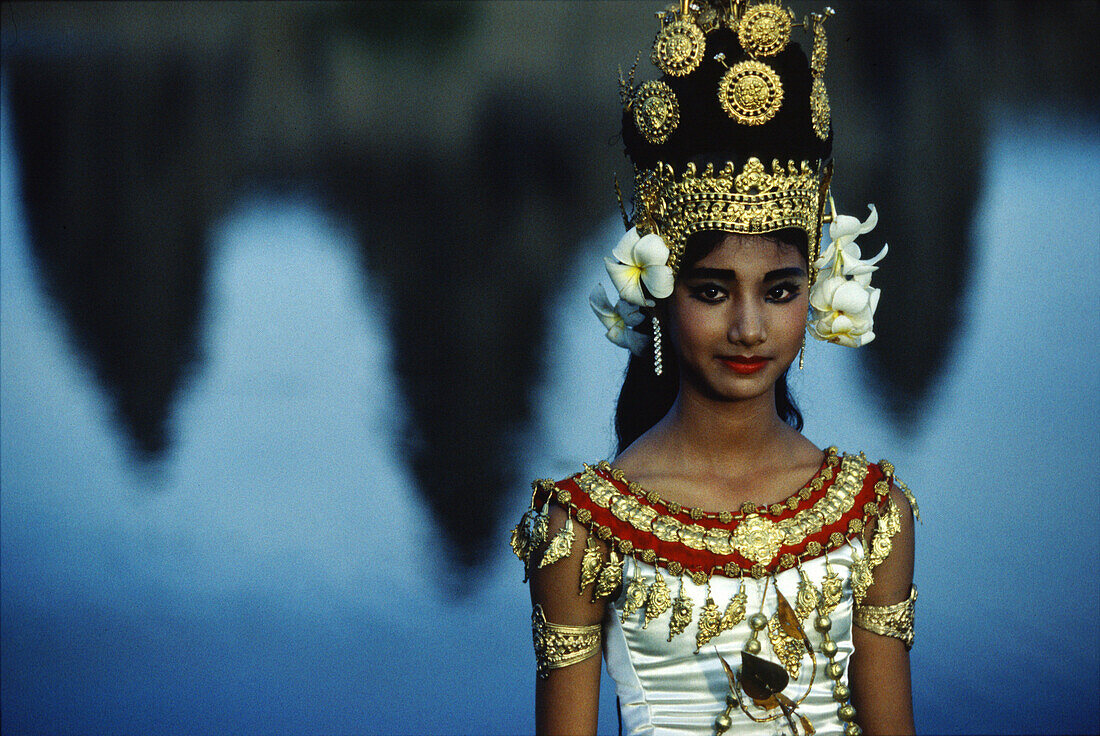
[658,361]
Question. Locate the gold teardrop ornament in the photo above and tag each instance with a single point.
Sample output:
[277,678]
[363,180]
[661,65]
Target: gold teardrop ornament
[750,92]
[787,637]
[808,597]
[765,30]
[590,564]
[635,598]
[520,543]
[611,576]
[710,624]
[831,592]
[658,601]
[540,526]
[735,610]
[681,615]
[560,546]
[678,48]
[656,111]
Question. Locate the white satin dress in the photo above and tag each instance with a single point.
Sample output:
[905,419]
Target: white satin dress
[668,689]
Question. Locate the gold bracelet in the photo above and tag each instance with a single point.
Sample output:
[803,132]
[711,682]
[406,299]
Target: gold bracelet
[557,645]
[895,620]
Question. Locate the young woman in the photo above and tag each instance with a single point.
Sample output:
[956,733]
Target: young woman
[737,578]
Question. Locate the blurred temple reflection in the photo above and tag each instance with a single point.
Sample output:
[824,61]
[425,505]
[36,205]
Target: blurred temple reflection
[468,147]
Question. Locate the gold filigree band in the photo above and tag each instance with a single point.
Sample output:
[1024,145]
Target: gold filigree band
[748,201]
[559,645]
[895,620]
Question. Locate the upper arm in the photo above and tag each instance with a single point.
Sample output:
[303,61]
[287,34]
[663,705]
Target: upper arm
[879,670]
[567,701]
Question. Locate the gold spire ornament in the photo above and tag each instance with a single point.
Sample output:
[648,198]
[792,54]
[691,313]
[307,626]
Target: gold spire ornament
[678,48]
[656,111]
[820,113]
[750,92]
[765,30]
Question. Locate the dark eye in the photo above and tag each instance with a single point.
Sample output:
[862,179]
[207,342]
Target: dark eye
[782,293]
[709,293]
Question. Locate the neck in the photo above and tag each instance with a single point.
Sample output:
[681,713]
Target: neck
[705,431]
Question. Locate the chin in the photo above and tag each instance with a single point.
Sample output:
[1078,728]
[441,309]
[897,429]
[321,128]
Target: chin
[733,388]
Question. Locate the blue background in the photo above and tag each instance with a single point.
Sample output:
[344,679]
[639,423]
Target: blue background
[275,572]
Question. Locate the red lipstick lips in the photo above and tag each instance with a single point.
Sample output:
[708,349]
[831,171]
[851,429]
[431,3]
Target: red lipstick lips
[744,366]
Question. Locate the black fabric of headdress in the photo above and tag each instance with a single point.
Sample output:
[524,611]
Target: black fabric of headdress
[707,134]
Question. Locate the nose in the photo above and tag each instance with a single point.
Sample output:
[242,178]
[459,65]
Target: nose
[747,326]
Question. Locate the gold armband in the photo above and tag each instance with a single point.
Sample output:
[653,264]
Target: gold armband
[895,620]
[557,645]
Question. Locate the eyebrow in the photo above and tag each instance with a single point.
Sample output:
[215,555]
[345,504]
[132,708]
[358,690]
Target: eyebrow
[728,274]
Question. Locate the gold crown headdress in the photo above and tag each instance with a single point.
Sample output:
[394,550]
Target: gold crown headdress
[736,137]
[675,197]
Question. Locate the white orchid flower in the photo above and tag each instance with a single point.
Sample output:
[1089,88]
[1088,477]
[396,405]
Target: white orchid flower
[640,261]
[842,298]
[843,232]
[843,311]
[619,321]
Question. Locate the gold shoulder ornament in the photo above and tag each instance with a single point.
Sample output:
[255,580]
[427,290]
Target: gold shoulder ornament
[559,645]
[895,620]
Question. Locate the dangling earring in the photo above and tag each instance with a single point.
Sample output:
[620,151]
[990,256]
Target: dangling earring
[802,352]
[658,366]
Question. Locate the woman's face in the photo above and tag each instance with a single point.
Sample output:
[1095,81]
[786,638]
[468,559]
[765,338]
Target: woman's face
[737,316]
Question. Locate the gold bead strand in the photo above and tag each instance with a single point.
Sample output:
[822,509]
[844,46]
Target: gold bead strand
[835,671]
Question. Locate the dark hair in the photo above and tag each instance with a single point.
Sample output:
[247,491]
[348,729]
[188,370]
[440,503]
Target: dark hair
[645,397]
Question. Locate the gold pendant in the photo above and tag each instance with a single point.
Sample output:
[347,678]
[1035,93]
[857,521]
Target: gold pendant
[735,610]
[710,623]
[635,597]
[561,545]
[787,637]
[611,576]
[590,564]
[520,542]
[831,590]
[808,597]
[681,613]
[658,600]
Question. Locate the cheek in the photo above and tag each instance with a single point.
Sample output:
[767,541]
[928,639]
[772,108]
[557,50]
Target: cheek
[793,320]
[690,323]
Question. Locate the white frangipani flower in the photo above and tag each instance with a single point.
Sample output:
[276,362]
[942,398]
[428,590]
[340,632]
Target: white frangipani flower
[842,299]
[638,261]
[619,320]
